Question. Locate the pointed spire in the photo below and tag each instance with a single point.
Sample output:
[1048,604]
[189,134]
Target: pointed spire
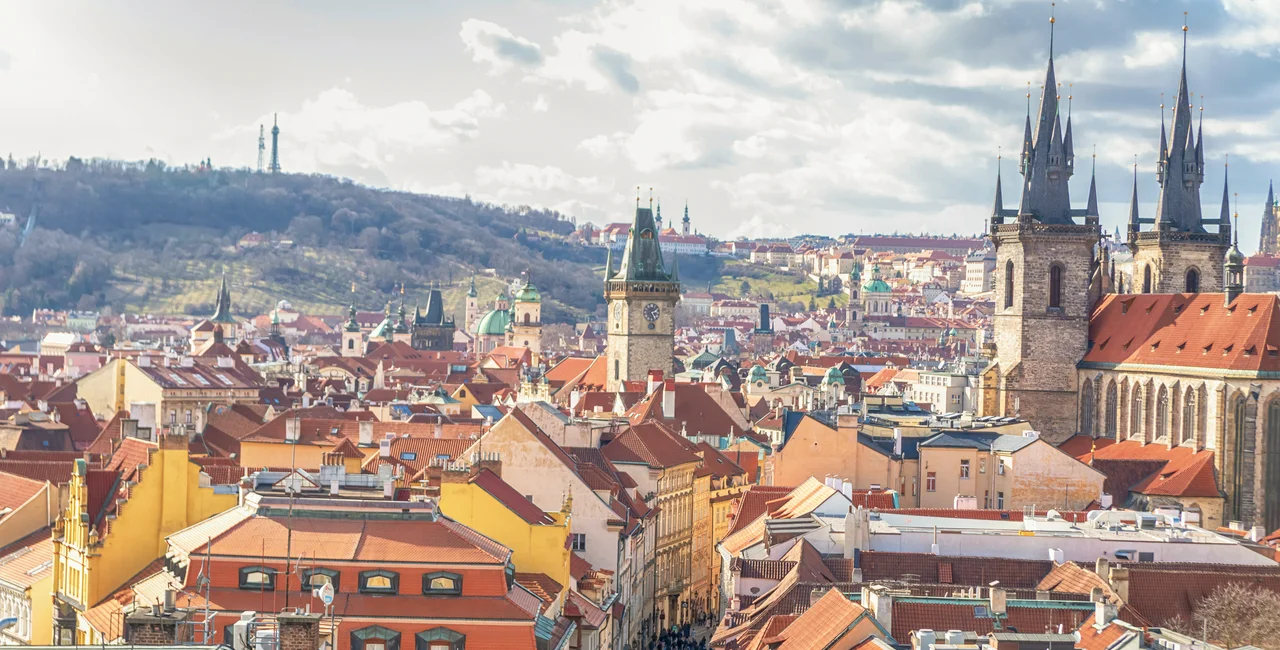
[1200,137]
[1052,19]
[1164,140]
[471,292]
[1133,201]
[999,206]
[608,263]
[1224,217]
[675,267]
[1091,209]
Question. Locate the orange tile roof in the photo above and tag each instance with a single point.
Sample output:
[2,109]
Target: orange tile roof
[1092,638]
[1186,472]
[16,490]
[823,624]
[1187,330]
[28,560]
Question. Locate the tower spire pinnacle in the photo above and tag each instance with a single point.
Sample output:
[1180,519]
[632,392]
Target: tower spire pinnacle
[1133,200]
[1091,208]
[1052,19]
[1224,217]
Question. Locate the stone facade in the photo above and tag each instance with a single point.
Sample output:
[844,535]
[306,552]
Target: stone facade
[1038,345]
[641,296]
[1169,262]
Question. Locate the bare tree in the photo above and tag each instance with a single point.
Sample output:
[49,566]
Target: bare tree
[1233,615]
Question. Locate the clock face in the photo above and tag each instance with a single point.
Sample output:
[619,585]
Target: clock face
[617,312]
[651,312]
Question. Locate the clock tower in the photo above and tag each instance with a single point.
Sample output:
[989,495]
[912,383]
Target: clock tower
[642,296]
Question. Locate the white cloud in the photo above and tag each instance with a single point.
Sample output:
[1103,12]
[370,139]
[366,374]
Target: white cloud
[521,177]
[541,104]
[497,47]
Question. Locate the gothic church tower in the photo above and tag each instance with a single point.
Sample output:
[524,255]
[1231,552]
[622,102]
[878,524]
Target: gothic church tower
[1044,261]
[1178,254]
[642,296]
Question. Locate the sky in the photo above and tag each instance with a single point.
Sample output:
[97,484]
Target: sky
[768,117]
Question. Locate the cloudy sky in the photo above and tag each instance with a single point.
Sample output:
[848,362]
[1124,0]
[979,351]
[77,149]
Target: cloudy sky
[770,117]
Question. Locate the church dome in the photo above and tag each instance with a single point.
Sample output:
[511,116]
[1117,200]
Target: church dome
[757,374]
[1234,256]
[876,285]
[528,293]
[494,323]
[833,376]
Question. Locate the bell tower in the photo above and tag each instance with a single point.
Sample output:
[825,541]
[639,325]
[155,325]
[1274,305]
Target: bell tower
[641,295]
[1044,261]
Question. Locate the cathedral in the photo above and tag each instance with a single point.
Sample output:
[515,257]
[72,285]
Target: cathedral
[426,329]
[1186,360]
[642,295]
[515,323]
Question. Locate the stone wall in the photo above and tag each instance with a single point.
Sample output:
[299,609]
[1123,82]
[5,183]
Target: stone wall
[1170,261]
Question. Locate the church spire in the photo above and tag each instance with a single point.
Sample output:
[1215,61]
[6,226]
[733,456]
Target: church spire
[642,258]
[999,207]
[1046,167]
[1133,204]
[1224,217]
[1181,174]
[1091,208]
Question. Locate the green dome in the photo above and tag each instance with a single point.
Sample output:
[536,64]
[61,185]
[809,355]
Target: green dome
[876,285]
[494,323]
[757,373]
[833,376]
[1234,256]
[528,293]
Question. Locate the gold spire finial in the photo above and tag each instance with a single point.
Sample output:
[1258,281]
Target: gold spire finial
[353,286]
[1052,10]
[1184,21]
[651,197]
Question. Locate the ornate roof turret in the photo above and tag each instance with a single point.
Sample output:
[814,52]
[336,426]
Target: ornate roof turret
[642,258]
[1182,170]
[471,292]
[222,308]
[352,324]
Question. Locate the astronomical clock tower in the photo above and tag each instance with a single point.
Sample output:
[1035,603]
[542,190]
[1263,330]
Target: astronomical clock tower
[642,296]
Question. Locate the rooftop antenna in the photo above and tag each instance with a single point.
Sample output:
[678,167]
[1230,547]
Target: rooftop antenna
[275,144]
[262,146]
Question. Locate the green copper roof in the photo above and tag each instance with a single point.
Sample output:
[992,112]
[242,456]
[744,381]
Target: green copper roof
[528,293]
[494,323]
[876,285]
[757,372]
[833,376]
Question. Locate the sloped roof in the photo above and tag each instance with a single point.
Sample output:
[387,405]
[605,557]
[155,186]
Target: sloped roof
[509,497]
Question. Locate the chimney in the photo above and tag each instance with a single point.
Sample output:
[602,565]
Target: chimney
[816,595]
[455,473]
[1056,555]
[1102,567]
[897,441]
[491,461]
[669,399]
[187,362]
[366,433]
[1257,533]
[955,637]
[292,429]
[655,377]
[384,448]
[1103,613]
[298,631]
[879,601]
[226,362]
[1105,501]
[574,396]
[1120,582]
[169,601]
[925,639]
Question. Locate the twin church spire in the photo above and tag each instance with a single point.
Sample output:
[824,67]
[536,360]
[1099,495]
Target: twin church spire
[1047,161]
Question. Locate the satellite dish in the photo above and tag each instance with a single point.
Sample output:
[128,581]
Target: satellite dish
[326,593]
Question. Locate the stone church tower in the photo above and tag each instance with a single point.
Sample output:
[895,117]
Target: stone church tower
[1269,242]
[1044,261]
[642,296]
[1178,254]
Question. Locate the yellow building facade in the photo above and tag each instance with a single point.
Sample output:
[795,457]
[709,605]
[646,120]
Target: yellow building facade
[535,547]
[96,553]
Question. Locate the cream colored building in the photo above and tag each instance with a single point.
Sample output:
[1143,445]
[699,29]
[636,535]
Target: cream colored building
[1003,472]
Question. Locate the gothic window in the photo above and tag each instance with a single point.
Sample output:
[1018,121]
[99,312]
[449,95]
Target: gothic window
[1189,416]
[1008,284]
[1086,408]
[1146,279]
[1055,286]
[1136,413]
[1193,281]
[1162,413]
[1109,413]
[1271,512]
[1237,456]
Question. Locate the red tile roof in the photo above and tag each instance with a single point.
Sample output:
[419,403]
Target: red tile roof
[509,497]
[945,615]
[1186,330]
[959,570]
[825,622]
[16,490]
[653,443]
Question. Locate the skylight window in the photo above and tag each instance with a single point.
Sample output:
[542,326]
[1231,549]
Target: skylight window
[223,378]
[177,380]
[201,380]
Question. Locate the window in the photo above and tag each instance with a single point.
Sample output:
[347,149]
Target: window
[1087,415]
[379,582]
[375,637]
[351,344]
[1109,412]
[1146,279]
[617,369]
[986,499]
[1193,281]
[1000,467]
[982,466]
[1136,414]
[258,578]
[442,583]
[317,578]
[915,487]
[1162,413]
[931,482]
[999,500]
[579,541]
[188,415]
[1008,284]
[1055,286]
[173,417]
[526,318]
[440,638]
[964,469]
[1189,416]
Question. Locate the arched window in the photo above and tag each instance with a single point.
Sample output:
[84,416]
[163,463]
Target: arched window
[1008,284]
[1136,413]
[351,344]
[1193,281]
[1162,413]
[1146,279]
[1237,444]
[1055,286]
[1271,509]
[527,317]
[1086,408]
[1189,416]
[1109,413]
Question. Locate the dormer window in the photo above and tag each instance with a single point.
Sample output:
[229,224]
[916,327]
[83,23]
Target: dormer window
[442,583]
[258,578]
[379,582]
[317,578]
[440,638]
